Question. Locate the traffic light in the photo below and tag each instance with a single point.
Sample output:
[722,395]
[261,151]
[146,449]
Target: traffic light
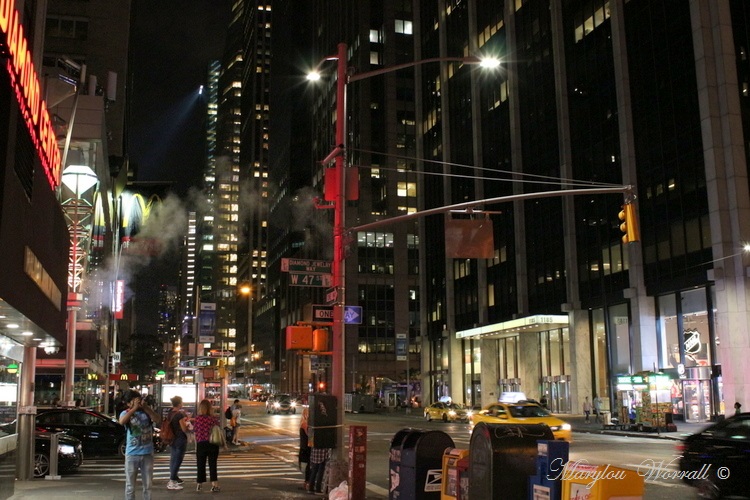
[321,387]
[629,224]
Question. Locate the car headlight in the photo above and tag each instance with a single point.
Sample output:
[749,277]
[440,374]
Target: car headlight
[469,414]
[294,403]
[566,427]
[66,449]
[277,405]
[451,413]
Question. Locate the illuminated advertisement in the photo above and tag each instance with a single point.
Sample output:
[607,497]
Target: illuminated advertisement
[28,91]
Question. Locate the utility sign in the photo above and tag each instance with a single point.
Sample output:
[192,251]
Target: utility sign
[322,312]
[309,279]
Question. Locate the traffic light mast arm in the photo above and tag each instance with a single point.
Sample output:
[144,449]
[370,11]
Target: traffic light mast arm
[492,201]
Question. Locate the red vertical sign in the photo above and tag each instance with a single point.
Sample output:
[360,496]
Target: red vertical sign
[357,461]
[119,299]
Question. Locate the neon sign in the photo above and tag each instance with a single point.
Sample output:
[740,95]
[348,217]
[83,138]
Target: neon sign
[28,91]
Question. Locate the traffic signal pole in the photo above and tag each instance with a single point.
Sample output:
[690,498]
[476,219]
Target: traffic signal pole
[339,252]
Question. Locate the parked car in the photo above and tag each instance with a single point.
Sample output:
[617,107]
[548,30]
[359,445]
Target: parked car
[99,434]
[523,412]
[69,450]
[281,403]
[69,453]
[716,460]
[447,412]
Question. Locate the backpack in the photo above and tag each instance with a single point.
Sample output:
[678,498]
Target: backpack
[167,432]
[228,412]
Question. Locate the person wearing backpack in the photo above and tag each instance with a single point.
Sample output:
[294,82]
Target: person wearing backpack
[177,425]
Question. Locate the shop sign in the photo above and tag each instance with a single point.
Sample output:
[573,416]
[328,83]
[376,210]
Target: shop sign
[28,91]
[628,382]
[692,341]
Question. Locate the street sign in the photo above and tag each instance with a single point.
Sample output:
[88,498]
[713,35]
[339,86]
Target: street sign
[310,279]
[322,312]
[352,315]
[331,295]
[324,364]
[306,266]
[401,346]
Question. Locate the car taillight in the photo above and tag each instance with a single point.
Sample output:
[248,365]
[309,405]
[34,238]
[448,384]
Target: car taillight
[680,448]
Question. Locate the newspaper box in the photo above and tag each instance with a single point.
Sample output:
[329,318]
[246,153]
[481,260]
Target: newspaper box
[455,474]
[600,482]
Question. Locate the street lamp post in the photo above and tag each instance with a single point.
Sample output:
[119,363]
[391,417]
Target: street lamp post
[339,206]
[246,289]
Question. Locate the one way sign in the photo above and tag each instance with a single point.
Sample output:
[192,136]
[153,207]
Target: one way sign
[352,315]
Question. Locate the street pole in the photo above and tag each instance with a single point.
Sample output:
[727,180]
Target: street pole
[339,253]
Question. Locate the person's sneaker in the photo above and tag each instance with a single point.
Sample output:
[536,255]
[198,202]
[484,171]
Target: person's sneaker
[174,485]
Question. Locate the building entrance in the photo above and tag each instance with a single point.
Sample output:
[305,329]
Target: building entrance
[557,391]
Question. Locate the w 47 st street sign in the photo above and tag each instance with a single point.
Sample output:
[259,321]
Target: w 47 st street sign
[305,272]
[309,279]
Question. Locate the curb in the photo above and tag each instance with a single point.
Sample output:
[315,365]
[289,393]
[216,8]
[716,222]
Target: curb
[648,435]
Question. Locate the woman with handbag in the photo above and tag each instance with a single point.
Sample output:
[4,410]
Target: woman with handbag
[208,439]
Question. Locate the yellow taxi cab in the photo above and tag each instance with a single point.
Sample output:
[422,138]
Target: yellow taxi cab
[522,412]
[447,412]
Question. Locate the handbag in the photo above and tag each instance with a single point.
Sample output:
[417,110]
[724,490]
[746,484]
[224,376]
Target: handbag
[217,436]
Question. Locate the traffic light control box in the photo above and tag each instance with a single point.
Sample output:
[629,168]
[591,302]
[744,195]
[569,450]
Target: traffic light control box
[322,422]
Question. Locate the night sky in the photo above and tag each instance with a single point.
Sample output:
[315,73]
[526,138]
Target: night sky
[172,43]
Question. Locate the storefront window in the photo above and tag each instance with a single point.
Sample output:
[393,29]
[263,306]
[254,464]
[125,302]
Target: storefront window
[695,328]
[599,343]
[566,350]
[511,355]
[669,350]
[9,378]
[544,352]
[620,331]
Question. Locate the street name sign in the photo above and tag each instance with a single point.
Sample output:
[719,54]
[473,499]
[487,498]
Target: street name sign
[310,279]
[306,266]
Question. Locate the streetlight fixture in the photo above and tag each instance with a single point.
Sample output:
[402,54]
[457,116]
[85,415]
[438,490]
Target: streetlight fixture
[77,198]
[247,290]
[343,78]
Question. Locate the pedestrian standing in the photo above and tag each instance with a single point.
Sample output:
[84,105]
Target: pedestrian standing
[737,408]
[236,414]
[204,449]
[139,419]
[180,424]
[318,459]
[304,447]
[597,407]
[586,408]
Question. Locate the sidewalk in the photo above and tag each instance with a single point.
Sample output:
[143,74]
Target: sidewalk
[579,424]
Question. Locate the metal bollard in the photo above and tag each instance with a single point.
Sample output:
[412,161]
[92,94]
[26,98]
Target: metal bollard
[54,444]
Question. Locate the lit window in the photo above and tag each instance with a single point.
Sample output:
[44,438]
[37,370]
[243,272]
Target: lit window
[374,37]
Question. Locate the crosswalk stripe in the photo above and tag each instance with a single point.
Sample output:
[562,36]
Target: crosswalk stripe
[232,465]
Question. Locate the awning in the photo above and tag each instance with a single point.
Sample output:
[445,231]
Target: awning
[536,323]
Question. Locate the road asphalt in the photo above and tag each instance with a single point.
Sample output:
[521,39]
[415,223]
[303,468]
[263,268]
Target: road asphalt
[281,487]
